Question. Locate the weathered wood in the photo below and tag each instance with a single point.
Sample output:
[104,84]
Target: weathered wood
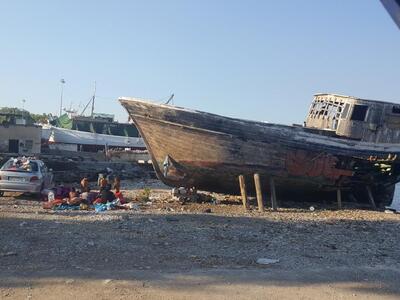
[243,191]
[370,197]
[273,194]
[257,184]
[300,159]
[339,198]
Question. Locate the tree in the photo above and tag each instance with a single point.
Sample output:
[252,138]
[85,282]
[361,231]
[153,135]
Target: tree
[41,118]
[17,112]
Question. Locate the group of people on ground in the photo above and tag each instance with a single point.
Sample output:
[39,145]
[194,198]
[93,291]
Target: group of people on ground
[83,196]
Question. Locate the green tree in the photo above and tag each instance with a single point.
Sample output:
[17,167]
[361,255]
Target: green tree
[13,112]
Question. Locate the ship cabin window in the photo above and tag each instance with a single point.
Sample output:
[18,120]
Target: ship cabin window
[324,110]
[396,109]
[359,112]
[345,111]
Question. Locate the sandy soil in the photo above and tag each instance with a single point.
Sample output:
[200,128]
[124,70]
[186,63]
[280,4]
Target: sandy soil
[166,250]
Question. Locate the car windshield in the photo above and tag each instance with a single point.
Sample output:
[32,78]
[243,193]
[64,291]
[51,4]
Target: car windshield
[16,165]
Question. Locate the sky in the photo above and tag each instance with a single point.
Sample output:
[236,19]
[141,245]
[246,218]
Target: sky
[259,60]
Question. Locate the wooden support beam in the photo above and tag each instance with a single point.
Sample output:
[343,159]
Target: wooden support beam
[242,184]
[371,197]
[257,184]
[273,194]
[339,198]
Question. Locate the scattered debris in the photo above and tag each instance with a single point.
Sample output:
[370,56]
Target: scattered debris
[267,261]
[133,206]
[8,254]
[183,195]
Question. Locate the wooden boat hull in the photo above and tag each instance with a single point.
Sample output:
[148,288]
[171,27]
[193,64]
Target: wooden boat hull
[207,151]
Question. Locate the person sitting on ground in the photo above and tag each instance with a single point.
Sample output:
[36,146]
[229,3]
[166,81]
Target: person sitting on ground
[85,185]
[117,184]
[118,193]
[102,183]
[73,199]
[105,195]
[110,175]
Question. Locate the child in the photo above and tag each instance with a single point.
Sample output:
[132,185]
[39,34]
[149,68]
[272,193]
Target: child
[117,184]
[73,198]
[85,185]
[102,183]
[105,195]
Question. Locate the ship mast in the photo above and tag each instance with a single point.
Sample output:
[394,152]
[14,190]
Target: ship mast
[93,98]
[91,101]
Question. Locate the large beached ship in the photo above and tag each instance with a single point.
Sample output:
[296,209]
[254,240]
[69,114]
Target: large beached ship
[346,143]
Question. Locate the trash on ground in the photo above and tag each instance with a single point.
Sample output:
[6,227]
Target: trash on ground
[8,254]
[184,195]
[267,261]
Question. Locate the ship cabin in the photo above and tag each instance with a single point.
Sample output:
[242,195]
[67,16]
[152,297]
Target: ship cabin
[355,118]
[98,123]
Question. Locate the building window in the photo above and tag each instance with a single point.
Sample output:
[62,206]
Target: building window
[359,112]
[28,145]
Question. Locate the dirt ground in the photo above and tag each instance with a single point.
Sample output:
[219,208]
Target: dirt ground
[166,250]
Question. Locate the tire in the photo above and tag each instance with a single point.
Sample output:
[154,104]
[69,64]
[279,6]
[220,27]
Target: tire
[1,193]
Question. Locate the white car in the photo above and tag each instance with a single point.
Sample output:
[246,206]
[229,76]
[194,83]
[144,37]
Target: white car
[25,175]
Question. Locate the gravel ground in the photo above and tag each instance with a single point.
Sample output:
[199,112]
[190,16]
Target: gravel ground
[203,250]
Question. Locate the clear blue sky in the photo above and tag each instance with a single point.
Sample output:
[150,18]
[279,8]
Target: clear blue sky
[259,60]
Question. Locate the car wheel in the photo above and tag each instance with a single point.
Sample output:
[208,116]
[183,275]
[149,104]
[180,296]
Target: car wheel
[1,193]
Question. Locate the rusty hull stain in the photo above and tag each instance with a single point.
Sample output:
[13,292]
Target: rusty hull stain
[303,163]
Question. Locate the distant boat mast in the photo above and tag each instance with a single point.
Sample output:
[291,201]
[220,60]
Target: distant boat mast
[62,81]
[92,99]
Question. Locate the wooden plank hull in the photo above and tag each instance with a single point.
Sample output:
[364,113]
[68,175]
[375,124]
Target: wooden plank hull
[191,148]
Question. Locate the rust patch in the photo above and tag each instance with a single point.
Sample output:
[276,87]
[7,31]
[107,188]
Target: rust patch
[303,163]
